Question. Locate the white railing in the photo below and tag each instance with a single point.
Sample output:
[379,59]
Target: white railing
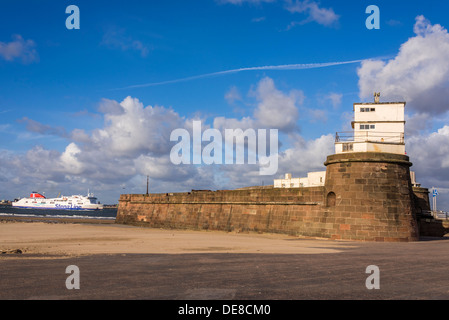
[369,136]
[440,215]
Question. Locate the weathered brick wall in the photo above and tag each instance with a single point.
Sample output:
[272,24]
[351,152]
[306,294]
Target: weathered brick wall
[367,197]
[292,211]
[432,227]
[428,226]
[421,198]
[374,196]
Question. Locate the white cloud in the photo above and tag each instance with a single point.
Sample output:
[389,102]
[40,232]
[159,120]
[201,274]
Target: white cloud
[233,95]
[132,135]
[134,141]
[434,154]
[136,129]
[429,155]
[318,115]
[314,13]
[79,135]
[306,156]
[116,38]
[417,122]
[37,127]
[419,74]
[275,108]
[19,48]
[222,123]
[323,16]
[108,106]
[335,99]
[69,160]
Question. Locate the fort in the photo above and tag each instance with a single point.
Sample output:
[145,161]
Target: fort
[366,194]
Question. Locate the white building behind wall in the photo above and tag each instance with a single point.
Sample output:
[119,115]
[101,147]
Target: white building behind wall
[313,179]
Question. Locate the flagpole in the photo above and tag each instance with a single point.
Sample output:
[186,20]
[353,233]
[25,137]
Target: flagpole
[147,183]
[433,200]
[436,200]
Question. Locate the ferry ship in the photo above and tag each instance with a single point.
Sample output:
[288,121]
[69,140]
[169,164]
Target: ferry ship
[74,202]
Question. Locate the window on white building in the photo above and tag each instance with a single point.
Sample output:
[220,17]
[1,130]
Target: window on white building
[367,126]
[348,147]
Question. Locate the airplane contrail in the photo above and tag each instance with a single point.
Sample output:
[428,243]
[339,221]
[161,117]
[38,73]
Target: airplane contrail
[220,73]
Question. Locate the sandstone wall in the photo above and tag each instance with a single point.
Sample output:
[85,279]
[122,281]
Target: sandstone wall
[433,228]
[421,198]
[367,197]
[294,211]
[374,196]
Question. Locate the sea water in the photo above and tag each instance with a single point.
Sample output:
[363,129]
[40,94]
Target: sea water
[105,214]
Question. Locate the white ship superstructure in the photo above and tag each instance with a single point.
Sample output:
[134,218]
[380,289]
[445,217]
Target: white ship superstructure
[74,202]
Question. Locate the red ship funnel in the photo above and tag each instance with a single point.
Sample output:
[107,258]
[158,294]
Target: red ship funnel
[36,195]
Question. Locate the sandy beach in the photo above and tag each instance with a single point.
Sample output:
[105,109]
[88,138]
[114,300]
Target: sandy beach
[71,237]
[129,262]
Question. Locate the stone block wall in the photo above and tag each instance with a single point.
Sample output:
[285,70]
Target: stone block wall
[374,198]
[367,197]
[421,198]
[432,227]
[295,211]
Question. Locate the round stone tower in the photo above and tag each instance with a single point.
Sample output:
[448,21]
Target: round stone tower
[369,197]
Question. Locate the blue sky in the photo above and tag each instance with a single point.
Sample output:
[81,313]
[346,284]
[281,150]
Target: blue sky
[60,89]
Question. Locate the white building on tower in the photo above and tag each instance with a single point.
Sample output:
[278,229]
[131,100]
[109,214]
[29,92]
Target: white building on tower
[378,127]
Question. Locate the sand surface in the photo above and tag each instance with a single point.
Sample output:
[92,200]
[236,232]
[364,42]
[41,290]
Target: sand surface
[68,239]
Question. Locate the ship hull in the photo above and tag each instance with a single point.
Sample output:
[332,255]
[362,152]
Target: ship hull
[77,202]
[57,208]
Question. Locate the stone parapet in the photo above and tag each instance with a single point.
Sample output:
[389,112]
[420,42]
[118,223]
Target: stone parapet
[293,211]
